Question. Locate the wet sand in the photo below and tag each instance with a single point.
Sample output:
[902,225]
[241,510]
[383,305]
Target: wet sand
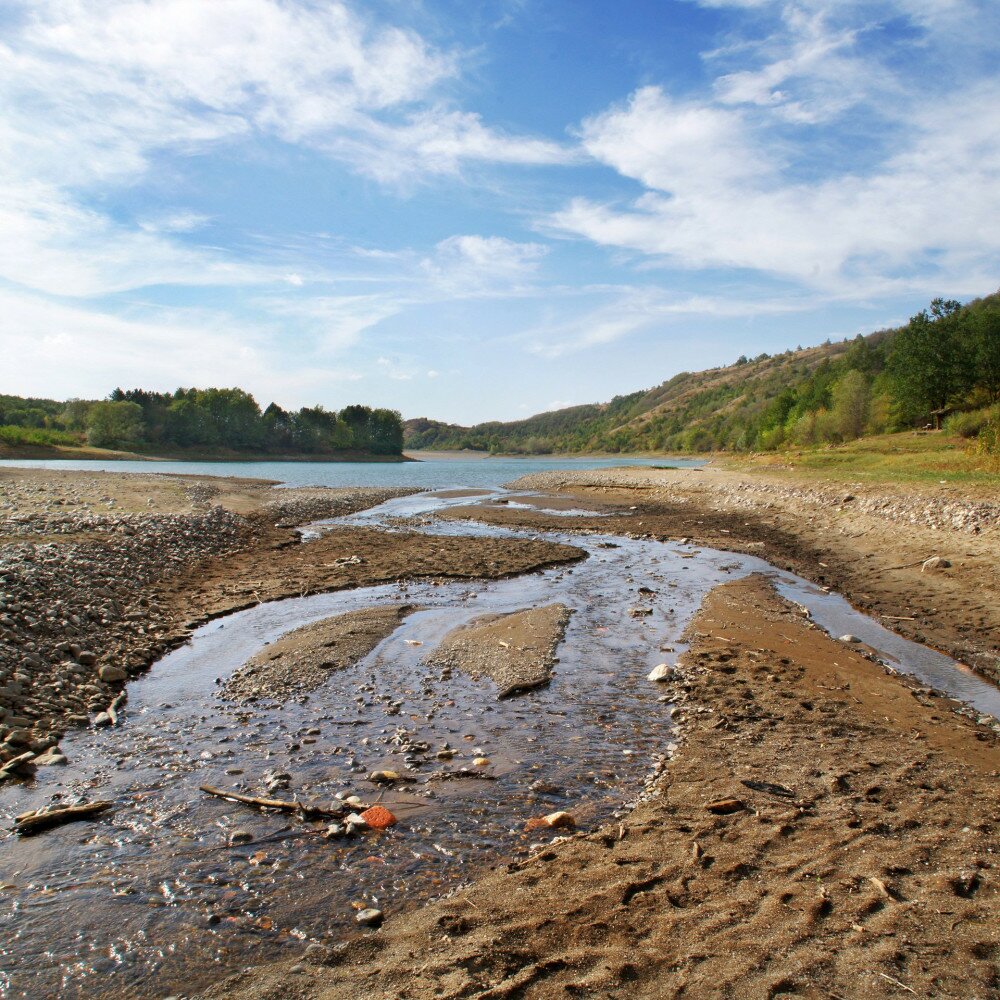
[301,661]
[516,651]
[824,830]
[868,544]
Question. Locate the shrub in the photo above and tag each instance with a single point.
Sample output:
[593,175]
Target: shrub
[971,423]
[11,435]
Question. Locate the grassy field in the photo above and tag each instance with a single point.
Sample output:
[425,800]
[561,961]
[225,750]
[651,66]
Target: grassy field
[905,458]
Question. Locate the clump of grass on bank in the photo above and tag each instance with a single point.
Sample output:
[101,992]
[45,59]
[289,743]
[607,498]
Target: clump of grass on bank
[906,457]
[38,437]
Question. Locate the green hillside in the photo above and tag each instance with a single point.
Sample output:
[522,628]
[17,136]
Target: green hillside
[944,364]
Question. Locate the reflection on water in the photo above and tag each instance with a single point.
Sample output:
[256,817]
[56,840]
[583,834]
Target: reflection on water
[154,900]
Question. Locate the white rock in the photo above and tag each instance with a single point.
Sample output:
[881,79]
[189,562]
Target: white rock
[661,672]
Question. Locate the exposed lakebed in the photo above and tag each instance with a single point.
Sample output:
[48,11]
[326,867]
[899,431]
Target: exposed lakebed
[154,901]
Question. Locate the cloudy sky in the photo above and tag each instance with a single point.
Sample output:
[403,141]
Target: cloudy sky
[479,209]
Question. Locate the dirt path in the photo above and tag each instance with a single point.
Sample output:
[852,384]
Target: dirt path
[864,863]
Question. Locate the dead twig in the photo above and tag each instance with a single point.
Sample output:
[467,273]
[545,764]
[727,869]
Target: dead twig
[896,982]
[281,805]
[41,819]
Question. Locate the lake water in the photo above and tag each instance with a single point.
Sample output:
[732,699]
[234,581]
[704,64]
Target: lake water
[430,473]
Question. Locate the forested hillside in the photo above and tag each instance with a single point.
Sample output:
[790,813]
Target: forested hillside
[206,420]
[944,365]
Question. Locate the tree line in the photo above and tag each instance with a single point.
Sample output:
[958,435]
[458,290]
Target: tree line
[941,367]
[205,419]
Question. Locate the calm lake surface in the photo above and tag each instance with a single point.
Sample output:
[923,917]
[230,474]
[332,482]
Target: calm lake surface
[429,473]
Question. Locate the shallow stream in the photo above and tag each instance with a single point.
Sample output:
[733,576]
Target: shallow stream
[153,901]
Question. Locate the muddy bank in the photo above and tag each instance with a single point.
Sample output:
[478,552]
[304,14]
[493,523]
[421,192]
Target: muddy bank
[100,573]
[868,544]
[824,829]
[515,651]
[300,661]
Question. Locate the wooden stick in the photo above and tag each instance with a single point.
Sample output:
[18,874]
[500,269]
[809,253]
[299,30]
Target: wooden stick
[896,982]
[41,819]
[281,805]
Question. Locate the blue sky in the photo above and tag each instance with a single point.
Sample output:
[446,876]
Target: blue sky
[479,210]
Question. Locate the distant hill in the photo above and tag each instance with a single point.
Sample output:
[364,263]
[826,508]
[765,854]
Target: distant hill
[832,392]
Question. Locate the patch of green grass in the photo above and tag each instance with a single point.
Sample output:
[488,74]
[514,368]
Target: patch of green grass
[906,457]
[40,436]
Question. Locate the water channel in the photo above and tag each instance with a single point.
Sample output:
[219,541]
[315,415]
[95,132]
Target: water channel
[153,901]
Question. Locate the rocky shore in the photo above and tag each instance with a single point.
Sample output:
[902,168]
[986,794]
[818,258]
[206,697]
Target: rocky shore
[79,607]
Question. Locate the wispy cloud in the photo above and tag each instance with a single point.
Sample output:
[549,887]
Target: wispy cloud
[56,350]
[626,311]
[92,93]
[726,185]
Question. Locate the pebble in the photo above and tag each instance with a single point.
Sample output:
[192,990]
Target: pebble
[369,917]
[661,672]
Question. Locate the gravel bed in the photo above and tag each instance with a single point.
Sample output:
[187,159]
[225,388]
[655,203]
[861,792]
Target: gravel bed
[77,618]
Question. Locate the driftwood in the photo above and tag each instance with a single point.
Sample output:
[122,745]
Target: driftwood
[42,819]
[282,805]
[16,763]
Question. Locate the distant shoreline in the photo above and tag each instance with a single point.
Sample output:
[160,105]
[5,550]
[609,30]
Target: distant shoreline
[86,454]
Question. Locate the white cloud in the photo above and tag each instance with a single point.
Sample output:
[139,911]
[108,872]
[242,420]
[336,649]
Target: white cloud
[54,350]
[93,92]
[670,145]
[629,310]
[471,265]
[767,173]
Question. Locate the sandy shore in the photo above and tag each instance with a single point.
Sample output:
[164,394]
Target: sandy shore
[868,544]
[515,651]
[822,829]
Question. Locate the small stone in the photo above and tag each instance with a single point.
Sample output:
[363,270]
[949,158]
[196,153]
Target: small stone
[480,761]
[102,719]
[355,822]
[316,954]
[850,638]
[934,563]
[378,818]
[86,658]
[560,821]
[238,837]
[369,917]
[661,672]
[112,675]
[723,807]
[383,777]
